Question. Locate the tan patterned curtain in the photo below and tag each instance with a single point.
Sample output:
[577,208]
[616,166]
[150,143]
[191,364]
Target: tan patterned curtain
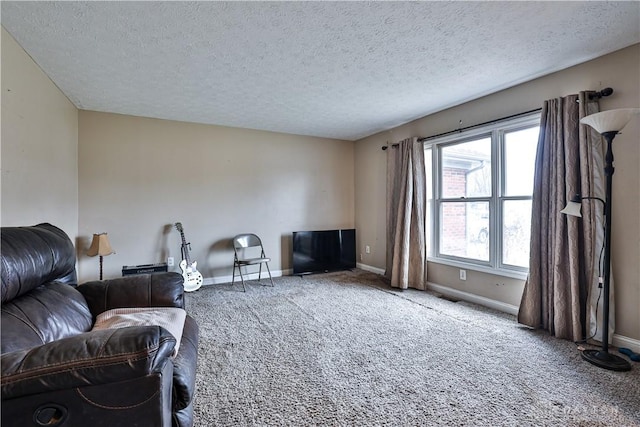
[564,252]
[406,204]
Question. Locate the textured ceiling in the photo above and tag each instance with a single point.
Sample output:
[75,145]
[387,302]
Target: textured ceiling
[333,69]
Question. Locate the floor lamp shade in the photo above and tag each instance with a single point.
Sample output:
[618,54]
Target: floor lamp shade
[611,120]
[607,124]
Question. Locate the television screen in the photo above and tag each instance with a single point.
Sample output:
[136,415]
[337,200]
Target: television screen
[324,251]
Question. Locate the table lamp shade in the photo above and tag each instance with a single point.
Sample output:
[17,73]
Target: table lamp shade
[100,245]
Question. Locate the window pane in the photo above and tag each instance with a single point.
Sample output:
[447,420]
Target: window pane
[516,231]
[466,169]
[520,155]
[465,229]
[428,152]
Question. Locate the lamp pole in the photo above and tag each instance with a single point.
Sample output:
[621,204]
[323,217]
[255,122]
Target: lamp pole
[603,358]
[608,171]
[608,124]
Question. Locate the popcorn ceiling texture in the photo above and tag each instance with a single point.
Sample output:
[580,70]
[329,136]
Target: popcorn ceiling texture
[333,69]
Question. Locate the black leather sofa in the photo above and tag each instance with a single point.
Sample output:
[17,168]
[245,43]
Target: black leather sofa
[56,371]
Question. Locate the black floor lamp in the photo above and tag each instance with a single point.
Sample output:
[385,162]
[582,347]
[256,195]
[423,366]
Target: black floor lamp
[607,124]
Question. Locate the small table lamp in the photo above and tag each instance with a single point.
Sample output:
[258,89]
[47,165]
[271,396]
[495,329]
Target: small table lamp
[100,246]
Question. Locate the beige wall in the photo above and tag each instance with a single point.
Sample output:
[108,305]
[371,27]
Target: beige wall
[138,176]
[619,70]
[39,145]
[135,177]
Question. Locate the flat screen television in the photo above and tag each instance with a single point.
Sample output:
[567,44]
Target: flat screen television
[324,251]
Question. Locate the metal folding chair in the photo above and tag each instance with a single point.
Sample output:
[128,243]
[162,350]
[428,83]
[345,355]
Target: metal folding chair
[248,250]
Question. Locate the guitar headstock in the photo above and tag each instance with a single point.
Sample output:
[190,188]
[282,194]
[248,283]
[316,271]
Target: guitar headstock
[179,226]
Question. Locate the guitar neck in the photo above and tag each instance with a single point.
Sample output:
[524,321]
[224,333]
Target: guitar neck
[185,249]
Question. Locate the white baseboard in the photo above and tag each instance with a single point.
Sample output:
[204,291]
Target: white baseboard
[617,340]
[476,299]
[251,276]
[366,267]
[622,341]
[277,273]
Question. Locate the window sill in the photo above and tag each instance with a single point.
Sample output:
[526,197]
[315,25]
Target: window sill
[521,275]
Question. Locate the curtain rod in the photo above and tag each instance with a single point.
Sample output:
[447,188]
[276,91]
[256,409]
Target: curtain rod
[513,116]
[384,147]
[593,96]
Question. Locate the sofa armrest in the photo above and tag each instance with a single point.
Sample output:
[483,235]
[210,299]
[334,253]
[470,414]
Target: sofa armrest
[91,358]
[141,290]
[184,366]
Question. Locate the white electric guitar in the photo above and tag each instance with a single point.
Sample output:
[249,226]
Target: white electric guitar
[192,277]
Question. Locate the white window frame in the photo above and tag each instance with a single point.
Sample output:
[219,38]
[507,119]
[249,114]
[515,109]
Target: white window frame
[496,131]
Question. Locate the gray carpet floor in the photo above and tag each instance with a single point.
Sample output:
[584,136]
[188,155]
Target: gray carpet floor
[345,349]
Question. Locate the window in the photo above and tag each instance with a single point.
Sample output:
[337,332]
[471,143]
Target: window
[479,187]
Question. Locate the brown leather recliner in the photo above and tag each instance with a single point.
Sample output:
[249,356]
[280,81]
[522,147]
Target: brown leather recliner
[56,371]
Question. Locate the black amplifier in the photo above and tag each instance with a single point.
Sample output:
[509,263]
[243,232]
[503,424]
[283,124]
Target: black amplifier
[128,270]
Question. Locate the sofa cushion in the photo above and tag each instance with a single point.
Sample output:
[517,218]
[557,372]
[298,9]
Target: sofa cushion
[141,290]
[170,318]
[50,312]
[35,255]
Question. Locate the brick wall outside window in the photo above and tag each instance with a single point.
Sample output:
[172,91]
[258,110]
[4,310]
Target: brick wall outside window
[454,224]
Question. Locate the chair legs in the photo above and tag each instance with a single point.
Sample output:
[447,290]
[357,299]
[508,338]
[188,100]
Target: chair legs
[233,277]
[244,289]
[269,271]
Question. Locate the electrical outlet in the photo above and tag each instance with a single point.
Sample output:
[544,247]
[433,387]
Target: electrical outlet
[360,257]
[463,274]
[170,261]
